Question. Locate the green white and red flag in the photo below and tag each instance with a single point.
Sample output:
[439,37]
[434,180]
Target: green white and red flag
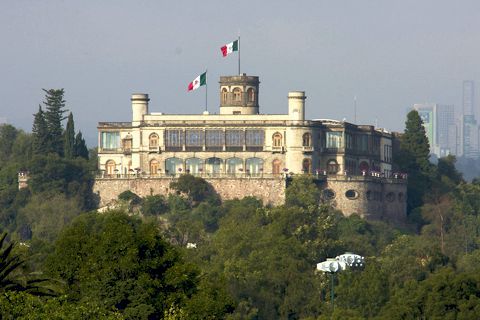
[201,80]
[229,48]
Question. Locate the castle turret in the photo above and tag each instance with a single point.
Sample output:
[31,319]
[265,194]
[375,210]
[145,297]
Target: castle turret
[139,107]
[239,94]
[296,105]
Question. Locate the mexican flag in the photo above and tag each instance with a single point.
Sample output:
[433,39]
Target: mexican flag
[201,80]
[229,48]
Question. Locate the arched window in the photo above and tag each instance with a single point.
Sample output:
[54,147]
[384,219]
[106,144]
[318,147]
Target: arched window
[194,166]
[277,139]
[173,165]
[307,139]
[110,167]
[214,166]
[332,166]
[251,95]
[234,166]
[254,166]
[153,141]
[154,167]
[224,95]
[363,166]
[307,165]
[276,166]
[237,95]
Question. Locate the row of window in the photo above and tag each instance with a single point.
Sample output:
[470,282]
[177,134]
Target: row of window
[329,194]
[236,95]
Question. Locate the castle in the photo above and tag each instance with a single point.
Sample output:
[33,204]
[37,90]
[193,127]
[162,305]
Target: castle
[244,153]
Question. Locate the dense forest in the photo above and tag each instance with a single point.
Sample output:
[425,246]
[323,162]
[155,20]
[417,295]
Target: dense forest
[189,255]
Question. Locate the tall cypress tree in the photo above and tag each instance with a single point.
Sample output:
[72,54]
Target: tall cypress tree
[414,159]
[69,138]
[80,146]
[55,105]
[40,133]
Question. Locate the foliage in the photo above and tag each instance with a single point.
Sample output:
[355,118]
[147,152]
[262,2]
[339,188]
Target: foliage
[122,263]
[154,205]
[195,188]
[80,147]
[69,138]
[130,197]
[302,192]
[54,105]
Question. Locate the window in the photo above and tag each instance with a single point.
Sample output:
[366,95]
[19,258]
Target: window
[348,141]
[214,166]
[363,143]
[173,165]
[364,167]
[127,144]
[307,139]
[254,139]
[237,95]
[277,140]
[234,140]
[276,166]
[215,139]
[334,140]
[328,194]
[153,141]
[234,166]
[307,165]
[194,140]
[224,95]
[351,194]
[154,167]
[251,95]
[194,166]
[110,167]
[254,166]
[332,166]
[110,140]
[173,140]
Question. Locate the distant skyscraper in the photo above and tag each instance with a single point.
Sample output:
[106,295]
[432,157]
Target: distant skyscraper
[439,123]
[470,128]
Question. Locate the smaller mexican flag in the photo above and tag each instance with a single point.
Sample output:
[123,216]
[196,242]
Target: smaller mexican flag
[229,48]
[201,80]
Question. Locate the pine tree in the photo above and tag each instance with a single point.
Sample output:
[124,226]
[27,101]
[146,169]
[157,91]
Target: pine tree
[40,133]
[80,146]
[69,138]
[55,105]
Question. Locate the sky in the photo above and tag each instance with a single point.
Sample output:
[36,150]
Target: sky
[389,54]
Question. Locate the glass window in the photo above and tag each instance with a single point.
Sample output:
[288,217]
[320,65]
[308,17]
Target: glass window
[224,95]
[332,166]
[307,165]
[348,141]
[213,166]
[194,139]
[174,139]
[276,166]
[251,95]
[277,140]
[363,143]
[237,95]
[110,167]
[234,166]
[235,138]
[307,139]
[254,166]
[215,139]
[194,166]
[173,165]
[255,138]
[110,140]
[334,139]
[153,140]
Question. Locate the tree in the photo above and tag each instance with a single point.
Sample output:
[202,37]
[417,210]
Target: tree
[302,192]
[55,105]
[8,134]
[123,263]
[40,133]
[69,138]
[195,188]
[80,147]
[414,159]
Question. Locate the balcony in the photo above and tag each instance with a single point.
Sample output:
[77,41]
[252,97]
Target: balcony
[278,149]
[307,149]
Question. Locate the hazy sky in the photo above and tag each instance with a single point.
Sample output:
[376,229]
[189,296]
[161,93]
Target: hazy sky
[390,54]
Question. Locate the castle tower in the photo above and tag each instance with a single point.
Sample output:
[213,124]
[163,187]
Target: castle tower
[139,107]
[296,105]
[239,94]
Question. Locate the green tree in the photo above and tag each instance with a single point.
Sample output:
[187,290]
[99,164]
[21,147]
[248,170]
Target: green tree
[8,134]
[302,192]
[195,188]
[81,149]
[55,104]
[40,133]
[154,205]
[69,138]
[413,158]
[123,263]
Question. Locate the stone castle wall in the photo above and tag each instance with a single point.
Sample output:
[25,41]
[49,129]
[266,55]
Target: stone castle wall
[373,199]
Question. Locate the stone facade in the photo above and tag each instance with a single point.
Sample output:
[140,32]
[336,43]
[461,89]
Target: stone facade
[242,152]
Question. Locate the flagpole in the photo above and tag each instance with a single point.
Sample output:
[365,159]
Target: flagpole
[206,90]
[239,54]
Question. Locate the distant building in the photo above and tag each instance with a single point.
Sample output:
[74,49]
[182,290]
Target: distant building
[242,152]
[440,128]
[470,132]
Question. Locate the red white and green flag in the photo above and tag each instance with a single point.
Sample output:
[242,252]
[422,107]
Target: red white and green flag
[201,80]
[229,48]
